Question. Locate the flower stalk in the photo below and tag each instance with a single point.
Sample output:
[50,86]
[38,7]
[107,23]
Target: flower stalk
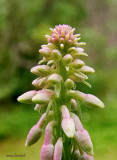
[56,95]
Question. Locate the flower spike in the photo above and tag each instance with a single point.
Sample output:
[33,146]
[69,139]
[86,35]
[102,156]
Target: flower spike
[59,73]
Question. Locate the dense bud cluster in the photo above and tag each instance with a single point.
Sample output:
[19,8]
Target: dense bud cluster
[59,71]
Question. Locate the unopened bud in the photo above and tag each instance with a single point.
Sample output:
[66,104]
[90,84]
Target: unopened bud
[50,62]
[80,50]
[83,139]
[76,64]
[55,78]
[56,54]
[46,52]
[40,108]
[74,105]
[75,55]
[92,100]
[37,107]
[69,84]
[33,135]
[65,112]
[47,36]
[43,119]
[67,59]
[27,97]
[48,133]
[62,46]
[42,61]
[87,70]
[88,99]
[42,70]
[58,150]
[67,37]
[78,124]
[81,43]
[84,156]
[43,96]
[77,35]
[34,70]
[72,49]
[78,77]
[39,82]
[81,77]
[47,152]
[87,157]
[68,127]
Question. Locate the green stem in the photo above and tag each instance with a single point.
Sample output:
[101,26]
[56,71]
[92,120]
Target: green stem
[63,100]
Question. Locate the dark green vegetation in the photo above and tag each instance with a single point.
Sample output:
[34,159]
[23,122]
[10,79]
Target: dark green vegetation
[23,25]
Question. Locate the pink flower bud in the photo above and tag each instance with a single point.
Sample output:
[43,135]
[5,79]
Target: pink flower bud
[48,133]
[62,34]
[36,131]
[56,54]
[27,97]
[43,96]
[40,108]
[46,52]
[80,50]
[47,152]
[37,107]
[65,112]
[87,157]
[33,135]
[74,105]
[76,64]
[80,77]
[78,124]
[68,127]
[67,59]
[58,150]
[39,82]
[69,84]
[41,70]
[34,70]
[84,156]
[83,139]
[76,52]
[43,119]
[93,101]
[88,99]
[87,70]
[55,78]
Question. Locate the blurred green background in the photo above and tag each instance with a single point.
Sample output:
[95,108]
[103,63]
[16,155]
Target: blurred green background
[23,25]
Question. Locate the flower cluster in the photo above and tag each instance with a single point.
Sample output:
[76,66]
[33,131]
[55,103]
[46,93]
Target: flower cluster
[59,71]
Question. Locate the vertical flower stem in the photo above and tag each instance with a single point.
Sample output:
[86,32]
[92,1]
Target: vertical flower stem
[63,100]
